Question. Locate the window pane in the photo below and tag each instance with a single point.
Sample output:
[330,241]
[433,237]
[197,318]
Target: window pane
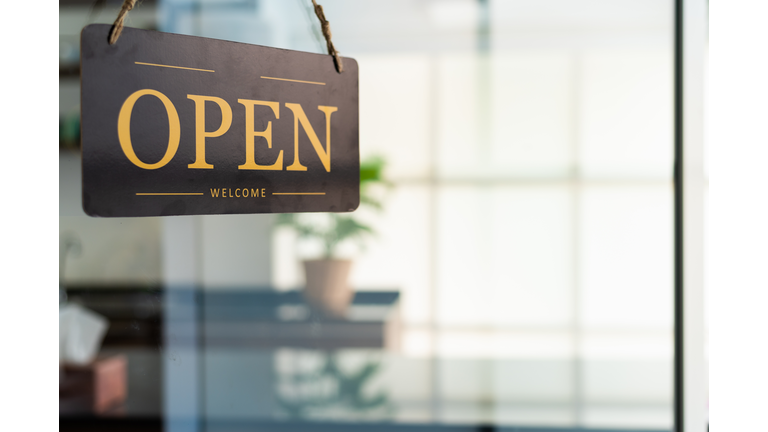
[521,269]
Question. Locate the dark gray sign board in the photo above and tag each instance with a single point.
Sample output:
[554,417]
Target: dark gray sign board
[183,125]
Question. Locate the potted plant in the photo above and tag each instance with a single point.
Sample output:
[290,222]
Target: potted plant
[327,289]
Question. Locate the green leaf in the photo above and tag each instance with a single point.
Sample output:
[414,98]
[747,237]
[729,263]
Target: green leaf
[371,170]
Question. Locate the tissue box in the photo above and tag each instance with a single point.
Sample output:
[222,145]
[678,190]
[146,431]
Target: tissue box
[80,334]
[97,387]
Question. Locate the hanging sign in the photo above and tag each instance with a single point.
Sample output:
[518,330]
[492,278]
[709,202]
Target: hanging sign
[182,125]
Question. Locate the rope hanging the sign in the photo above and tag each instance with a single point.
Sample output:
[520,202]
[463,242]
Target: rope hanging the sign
[325,26]
[117,27]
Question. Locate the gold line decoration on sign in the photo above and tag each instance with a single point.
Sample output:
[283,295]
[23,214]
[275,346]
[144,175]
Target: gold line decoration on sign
[293,80]
[167,193]
[298,193]
[174,67]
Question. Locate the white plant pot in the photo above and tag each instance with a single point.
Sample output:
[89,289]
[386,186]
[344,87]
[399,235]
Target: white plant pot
[327,289]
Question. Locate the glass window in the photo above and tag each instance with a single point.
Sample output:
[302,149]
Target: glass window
[521,273]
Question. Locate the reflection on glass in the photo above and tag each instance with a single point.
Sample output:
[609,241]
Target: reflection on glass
[328,387]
